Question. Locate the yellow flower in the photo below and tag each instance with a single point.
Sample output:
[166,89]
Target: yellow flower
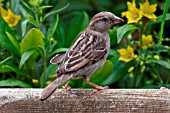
[53,76]
[133,14]
[3,12]
[148,10]
[35,81]
[48,82]
[126,54]
[156,57]
[11,18]
[1,0]
[147,41]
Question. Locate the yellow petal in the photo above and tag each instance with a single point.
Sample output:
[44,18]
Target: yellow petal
[3,12]
[134,16]
[130,49]
[126,54]
[148,10]
[122,52]
[123,14]
[153,8]
[124,59]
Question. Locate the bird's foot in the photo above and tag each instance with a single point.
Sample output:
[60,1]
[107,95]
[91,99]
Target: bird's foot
[67,87]
[99,88]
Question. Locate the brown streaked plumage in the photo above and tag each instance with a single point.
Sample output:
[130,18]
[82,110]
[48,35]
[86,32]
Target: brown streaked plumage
[87,54]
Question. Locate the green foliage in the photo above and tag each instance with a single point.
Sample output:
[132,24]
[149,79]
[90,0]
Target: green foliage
[10,82]
[149,61]
[124,31]
[33,39]
[50,27]
[77,24]
[5,41]
[101,75]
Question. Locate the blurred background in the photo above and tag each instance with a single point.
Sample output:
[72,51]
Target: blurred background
[48,27]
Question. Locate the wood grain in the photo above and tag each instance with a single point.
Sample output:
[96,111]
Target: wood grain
[80,100]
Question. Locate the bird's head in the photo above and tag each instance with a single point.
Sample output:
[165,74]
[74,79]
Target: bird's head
[103,21]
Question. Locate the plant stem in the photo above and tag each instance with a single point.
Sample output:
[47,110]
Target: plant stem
[37,19]
[135,75]
[140,39]
[163,21]
[3,76]
[44,68]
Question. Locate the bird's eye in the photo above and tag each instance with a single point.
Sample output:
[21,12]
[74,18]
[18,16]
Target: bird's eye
[105,19]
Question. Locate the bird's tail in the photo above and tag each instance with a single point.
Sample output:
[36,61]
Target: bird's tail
[50,89]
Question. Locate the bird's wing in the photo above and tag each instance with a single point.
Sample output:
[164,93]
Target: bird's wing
[57,58]
[87,49]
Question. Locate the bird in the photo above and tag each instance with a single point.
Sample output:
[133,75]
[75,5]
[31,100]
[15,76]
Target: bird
[86,55]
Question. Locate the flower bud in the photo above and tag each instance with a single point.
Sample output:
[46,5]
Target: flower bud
[135,56]
[35,81]
[35,2]
[141,63]
[166,47]
[48,82]
[52,40]
[53,76]
[130,69]
[143,69]
[156,57]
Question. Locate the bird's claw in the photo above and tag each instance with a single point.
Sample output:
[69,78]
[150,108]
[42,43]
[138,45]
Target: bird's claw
[66,87]
[99,88]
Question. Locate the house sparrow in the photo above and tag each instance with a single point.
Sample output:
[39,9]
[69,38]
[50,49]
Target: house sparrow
[87,54]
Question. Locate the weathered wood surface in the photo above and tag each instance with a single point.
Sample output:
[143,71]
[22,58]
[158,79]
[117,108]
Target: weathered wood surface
[80,100]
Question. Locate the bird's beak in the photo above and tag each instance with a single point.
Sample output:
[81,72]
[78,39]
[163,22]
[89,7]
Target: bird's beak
[117,20]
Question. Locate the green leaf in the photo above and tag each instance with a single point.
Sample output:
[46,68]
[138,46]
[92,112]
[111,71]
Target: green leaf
[44,7]
[162,63]
[159,19]
[52,27]
[119,70]
[56,11]
[5,60]
[32,40]
[61,34]
[12,68]
[58,51]
[113,36]
[78,24]
[32,21]
[3,65]
[13,41]
[26,55]
[11,82]
[23,26]
[7,66]
[51,69]
[125,30]
[24,12]
[101,75]
[26,5]
[5,42]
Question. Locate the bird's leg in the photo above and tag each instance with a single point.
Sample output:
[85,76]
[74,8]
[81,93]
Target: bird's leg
[67,87]
[95,86]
